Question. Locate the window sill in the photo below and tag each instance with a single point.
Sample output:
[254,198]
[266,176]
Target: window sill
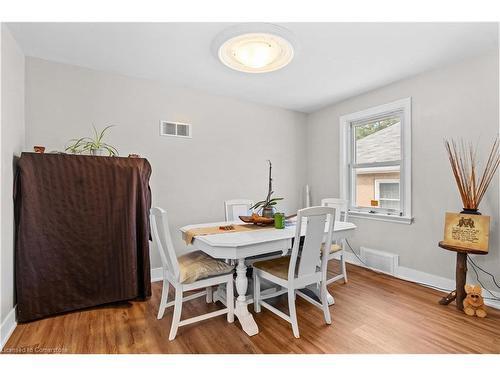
[381,217]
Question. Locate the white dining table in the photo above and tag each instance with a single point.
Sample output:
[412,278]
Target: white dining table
[239,246]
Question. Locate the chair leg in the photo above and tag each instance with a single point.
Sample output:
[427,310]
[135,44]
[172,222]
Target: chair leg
[324,303]
[344,271]
[293,313]
[164,298]
[177,313]
[230,301]
[256,292]
[209,294]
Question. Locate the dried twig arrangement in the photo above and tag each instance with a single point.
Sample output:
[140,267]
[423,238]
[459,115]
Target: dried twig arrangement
[472,184]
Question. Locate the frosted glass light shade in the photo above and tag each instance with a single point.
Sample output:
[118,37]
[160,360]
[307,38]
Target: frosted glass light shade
[256,52]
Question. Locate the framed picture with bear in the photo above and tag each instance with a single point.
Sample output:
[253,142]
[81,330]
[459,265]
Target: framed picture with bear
[470,232]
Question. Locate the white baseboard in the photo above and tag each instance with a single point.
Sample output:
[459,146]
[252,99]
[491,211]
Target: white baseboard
[419,277]
[494,304]
[7,327]
[350,258]
[439,282]
[156,274]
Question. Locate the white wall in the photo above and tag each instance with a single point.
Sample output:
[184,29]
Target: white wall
[460,100]
[232,140]
[12,138]
[226,158]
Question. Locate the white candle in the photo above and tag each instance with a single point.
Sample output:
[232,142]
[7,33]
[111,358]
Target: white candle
[308,197]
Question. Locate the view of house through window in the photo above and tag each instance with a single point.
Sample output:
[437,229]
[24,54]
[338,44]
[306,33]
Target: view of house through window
[376,155]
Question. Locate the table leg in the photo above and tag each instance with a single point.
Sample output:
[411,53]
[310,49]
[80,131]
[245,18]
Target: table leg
[460,277]
[241,311]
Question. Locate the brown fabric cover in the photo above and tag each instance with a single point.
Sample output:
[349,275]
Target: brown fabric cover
[198,265]
[82,232]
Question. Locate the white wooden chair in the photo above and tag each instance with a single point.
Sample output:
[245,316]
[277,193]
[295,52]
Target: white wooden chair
[234,208]
[191,271]
[338,247]
[298,271]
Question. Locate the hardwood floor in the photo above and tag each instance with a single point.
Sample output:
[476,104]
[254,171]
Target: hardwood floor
[374,313]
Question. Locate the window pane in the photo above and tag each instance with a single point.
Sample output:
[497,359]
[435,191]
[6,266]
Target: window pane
[378,141]
[389,204]
[388,190]
[377,187]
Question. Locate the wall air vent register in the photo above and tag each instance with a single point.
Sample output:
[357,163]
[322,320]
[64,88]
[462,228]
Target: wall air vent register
[175,129]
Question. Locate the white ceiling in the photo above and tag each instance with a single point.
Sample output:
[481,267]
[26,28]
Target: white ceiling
[334,60]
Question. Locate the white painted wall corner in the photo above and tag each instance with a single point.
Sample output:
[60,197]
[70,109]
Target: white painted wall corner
[156,274]
[8,326]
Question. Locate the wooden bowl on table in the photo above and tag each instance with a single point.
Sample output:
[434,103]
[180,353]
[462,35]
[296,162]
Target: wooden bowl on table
[257,220]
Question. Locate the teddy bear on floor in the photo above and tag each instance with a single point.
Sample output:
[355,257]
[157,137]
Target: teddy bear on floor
[473,302]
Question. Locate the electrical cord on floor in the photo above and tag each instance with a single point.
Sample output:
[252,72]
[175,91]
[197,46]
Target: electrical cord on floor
[469,259]
[357,256]
[382,273]
[486,272]
[495,297]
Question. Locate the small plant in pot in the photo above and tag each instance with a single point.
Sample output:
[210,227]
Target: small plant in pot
[267,205]
[94,146]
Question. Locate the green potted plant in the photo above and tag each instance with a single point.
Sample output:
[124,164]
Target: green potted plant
[267,205]
[94,146]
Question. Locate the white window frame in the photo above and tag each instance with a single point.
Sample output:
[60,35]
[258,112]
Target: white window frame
[380,181]
[346,172]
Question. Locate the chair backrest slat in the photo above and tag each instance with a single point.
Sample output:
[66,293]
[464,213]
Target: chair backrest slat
[315,219]
[237,207]
[163,241]
[340,205]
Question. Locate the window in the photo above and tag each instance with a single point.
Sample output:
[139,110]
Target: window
[387,193]
[376,161]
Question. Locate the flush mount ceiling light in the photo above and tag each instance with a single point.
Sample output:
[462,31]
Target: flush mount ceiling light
[255,48]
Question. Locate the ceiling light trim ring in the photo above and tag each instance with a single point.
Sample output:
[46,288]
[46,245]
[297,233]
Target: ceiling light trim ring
[255,48]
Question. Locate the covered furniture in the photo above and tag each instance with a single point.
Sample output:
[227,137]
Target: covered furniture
[82,238]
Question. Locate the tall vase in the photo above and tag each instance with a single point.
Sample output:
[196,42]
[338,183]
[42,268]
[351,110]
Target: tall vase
[470,211]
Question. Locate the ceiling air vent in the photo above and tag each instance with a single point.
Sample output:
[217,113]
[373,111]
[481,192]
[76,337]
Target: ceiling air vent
[175,129]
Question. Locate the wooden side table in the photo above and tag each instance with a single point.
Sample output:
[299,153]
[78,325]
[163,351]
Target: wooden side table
[460,274]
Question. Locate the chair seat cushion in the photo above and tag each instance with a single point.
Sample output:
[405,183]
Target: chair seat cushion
[277,267]
[197,265]
[334,248]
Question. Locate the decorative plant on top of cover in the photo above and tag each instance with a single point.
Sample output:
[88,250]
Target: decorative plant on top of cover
[94,146]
